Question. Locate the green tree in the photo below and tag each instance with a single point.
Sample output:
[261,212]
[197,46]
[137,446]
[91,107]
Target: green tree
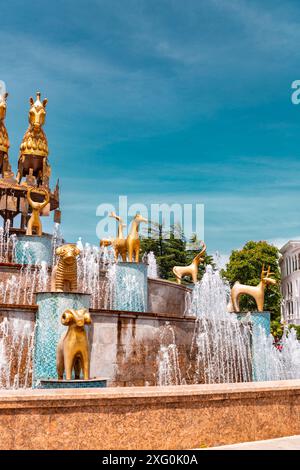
[245,266]
[171,249]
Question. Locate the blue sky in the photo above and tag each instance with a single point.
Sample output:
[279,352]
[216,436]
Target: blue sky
[164,101]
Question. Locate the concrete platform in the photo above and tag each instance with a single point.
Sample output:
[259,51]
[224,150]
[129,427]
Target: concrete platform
[282,443]
[178,417]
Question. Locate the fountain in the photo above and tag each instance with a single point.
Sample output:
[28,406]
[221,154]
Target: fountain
[73,309]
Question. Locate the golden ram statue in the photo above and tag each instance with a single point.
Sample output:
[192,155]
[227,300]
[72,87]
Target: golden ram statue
[191,269]
[73,348]
[64,275]
[257,292]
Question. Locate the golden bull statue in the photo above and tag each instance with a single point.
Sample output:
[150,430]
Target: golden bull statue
[257,292]
[191,269]
[73,348]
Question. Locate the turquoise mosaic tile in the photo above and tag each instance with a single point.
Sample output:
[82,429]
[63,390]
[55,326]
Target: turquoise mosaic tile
[94,383]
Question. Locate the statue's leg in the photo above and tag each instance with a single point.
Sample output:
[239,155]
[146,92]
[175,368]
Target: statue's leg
[130,252]
[236,302]
[86,364]
[260,304]
[194,276]
[60,361]
[29,227]
[68,359]
[77,367]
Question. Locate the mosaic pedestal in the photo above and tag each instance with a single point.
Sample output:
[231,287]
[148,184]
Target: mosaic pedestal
[259,321]
[131,287]
[33,249]
[49,329]
[97,382]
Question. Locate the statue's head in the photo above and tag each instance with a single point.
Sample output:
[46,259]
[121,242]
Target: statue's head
[3,106]
[37,112]
[68,252]
[139,218]
[80,317]
[266,276]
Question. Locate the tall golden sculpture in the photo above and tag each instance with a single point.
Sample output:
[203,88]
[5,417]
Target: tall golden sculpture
[130,245]
[191,269]
[34,223]
[5,168]
[73,348]
[34,146]
[64,275]
[257,292]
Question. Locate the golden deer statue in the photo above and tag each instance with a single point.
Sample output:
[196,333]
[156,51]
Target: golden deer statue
[131,244]
[73,348]
[120,235]
[34,223]
[191,269]
[34,146]
[5,168]
[257,292]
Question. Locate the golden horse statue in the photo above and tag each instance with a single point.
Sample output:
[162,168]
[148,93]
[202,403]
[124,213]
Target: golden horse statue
[191,269]
[73,348]
[34,223]
[130,245]
[257,292]
[34,146]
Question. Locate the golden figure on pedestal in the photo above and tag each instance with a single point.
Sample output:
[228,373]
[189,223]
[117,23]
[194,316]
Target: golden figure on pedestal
[257,292]
[191,269]
[64,275]
[5,168]
[131,244]
[34,146]
[73,348]
[34,223]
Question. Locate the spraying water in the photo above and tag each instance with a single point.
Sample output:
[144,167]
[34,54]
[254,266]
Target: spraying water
[152,266]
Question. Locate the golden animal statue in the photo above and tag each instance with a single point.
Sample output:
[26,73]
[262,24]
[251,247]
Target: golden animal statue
[129,245]
[73,347]
[5,168]
[191,269]
[64,275]
[120,236]
[257,292]
[34,223]
[34,146]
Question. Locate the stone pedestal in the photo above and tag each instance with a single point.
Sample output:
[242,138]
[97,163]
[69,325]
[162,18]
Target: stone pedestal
[33,249]
[259,321]
[131,287]
[49,329]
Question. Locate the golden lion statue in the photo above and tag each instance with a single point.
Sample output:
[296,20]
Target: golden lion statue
[64,275]
[73,348]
